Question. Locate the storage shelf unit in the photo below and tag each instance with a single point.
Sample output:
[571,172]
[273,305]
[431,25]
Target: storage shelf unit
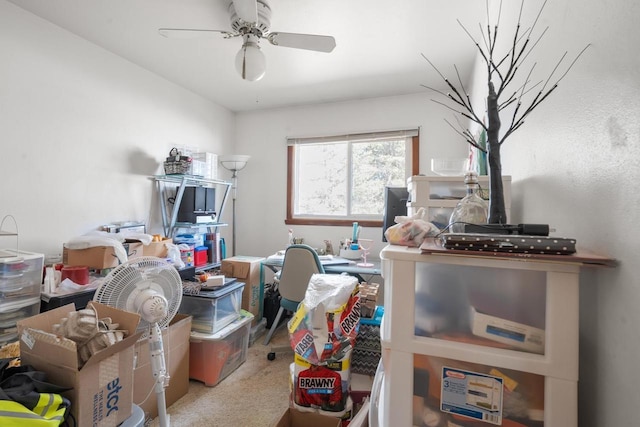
[20,282]
[427,321]
[179,183]
[439,195]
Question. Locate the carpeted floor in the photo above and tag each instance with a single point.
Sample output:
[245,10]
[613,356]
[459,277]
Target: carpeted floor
[252,396]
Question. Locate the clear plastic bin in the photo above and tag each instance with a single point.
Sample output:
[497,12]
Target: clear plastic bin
[16,264]
[484,306]
[470,394]
[11,312]
[213,310]
[212,357]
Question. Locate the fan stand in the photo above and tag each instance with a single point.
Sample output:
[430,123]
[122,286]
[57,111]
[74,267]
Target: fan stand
[159,370]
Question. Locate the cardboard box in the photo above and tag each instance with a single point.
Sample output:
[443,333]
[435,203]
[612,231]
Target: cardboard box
[134,249]
[247,270]
[102,389]
[99,257]
[294,418]
[158,249]
[175,339]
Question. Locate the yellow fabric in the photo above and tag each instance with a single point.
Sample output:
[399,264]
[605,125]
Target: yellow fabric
[47,413]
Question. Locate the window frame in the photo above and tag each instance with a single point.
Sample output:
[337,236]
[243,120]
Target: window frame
[290,220]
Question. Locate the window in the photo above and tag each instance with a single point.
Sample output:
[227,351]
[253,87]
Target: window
[340,179]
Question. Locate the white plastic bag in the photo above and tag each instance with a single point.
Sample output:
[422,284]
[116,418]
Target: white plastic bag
[173,253]
[410,230]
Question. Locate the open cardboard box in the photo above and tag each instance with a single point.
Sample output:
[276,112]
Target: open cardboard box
[295,418]
[102,389]
[100,257]
[157,249]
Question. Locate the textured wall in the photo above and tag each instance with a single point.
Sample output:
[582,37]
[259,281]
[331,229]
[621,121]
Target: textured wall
[575,165]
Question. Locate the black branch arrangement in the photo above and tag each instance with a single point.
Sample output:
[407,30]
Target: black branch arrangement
[501,68]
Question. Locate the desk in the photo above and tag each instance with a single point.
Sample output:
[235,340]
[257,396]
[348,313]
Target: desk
[335,265]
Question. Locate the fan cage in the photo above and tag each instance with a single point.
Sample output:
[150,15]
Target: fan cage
[129,279]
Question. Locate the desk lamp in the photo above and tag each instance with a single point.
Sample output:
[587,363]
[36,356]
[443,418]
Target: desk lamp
[234,163]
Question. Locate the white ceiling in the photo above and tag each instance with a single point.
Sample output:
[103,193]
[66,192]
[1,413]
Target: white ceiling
[378,45]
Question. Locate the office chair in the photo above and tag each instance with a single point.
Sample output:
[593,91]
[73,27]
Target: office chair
[299,264]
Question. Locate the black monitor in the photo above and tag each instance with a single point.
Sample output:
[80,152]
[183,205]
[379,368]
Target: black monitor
[395,204]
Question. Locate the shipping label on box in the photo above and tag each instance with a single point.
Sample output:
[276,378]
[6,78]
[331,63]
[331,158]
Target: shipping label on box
[175,339]
[102,389]
[247,270]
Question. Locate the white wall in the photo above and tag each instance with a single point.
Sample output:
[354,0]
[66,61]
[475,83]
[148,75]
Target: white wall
[81,130]
[575,165]
[261,202]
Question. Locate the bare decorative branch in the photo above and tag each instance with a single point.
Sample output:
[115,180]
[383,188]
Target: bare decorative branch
[502,70]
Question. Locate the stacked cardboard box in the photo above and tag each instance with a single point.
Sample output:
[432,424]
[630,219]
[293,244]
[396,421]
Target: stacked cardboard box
[247,269]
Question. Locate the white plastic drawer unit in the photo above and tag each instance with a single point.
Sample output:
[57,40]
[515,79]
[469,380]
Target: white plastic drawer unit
[20,274]
[439,195]
[423,189]
[458,328]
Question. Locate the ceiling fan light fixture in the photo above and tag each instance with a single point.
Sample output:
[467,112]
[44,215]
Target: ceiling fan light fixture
[250,61]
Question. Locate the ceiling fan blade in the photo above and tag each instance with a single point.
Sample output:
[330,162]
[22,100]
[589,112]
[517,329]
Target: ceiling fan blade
[190,33]
[303,41]
[247,10]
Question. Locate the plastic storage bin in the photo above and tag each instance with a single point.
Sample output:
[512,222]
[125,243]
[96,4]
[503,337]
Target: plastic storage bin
[212,357]
[440,194]
[13,311]
[503,308]
[20,274]
[201,256]
[213,310]
[466,394]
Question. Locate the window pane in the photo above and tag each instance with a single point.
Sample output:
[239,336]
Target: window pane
[322,179]
[375,164]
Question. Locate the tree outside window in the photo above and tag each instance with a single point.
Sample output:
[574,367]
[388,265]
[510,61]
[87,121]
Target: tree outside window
[337,180]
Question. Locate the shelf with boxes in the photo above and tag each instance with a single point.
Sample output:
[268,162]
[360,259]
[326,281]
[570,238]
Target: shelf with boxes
[194,202]
[193,206]
[439,195]
[454,323]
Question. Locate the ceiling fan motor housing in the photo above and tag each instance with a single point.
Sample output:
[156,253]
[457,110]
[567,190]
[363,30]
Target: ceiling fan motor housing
[260,28]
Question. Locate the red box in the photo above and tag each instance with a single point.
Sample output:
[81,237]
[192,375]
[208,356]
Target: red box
[200,257]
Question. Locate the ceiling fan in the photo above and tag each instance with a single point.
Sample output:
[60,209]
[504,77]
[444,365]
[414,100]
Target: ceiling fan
[251,20]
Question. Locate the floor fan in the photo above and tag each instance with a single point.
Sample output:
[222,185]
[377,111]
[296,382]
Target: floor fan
[152,288]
